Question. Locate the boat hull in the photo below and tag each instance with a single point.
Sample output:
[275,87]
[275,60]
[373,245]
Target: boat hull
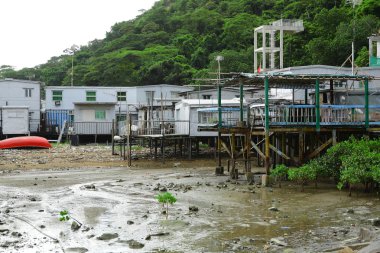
[25,142]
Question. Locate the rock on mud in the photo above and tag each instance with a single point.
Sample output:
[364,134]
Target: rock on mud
[107,236]
[135,244]
[76,250]
[273,209]
[279,241]
[193,209]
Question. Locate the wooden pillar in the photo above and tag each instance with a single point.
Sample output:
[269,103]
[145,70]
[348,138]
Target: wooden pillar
[331,92]
[334,137]
[155,148]
[283,146]
[190,144]
[163,149]
[248,146]
[301,146]
[219,169]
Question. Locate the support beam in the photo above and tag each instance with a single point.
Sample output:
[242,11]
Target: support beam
[320,148]
[254,51]
[334,137]
[301,146]
[279,152]
[272,44]
[264,51]
[254,146]
[226,148]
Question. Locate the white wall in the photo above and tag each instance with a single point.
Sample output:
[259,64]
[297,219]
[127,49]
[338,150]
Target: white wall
[136,96]
[15,120]
[12,93]
[86,113]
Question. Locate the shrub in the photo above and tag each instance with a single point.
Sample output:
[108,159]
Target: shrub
[302,175]
[280,173]
[166,199]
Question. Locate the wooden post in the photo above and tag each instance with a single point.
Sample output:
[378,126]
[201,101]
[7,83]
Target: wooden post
[331,92]
[301,146]
[129,141]
[113,134]
[334,137]
[155,148]
[190,144]
[219,169]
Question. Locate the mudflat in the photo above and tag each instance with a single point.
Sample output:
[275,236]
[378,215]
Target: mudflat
[117,211]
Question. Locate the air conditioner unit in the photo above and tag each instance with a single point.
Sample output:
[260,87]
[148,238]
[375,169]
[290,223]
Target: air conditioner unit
[57,103]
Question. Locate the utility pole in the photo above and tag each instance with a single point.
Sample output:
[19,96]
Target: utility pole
[219,169]
[71,51]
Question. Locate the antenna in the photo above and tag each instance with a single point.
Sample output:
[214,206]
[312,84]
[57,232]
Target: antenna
[353,3]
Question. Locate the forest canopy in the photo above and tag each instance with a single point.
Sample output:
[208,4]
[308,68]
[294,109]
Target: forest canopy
[177,40]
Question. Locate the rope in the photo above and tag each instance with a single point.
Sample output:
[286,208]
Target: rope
[39,230]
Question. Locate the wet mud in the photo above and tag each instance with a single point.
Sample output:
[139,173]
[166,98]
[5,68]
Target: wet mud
[119,213]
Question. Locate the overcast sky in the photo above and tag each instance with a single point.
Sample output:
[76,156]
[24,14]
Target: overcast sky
[32,31]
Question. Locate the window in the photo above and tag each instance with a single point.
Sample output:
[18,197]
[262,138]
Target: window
[57,95]
[100,114]
[71,116]
[28,92]
[149,97]
[121,117]
[90,95]
[121,96]
[206,96]
[174,94]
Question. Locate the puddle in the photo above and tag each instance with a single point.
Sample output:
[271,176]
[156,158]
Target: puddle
[231,217]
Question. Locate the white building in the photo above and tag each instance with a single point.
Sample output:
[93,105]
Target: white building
[19,98]
[103,104]
[299,95]
[198,113]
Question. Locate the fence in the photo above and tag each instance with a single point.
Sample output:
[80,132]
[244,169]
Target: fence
[155,127]
[89,128]
[307,115]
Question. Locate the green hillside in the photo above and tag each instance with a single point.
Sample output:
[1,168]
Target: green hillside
[177,40]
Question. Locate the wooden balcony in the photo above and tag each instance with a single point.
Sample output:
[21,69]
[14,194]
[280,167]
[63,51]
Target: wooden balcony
[306,115]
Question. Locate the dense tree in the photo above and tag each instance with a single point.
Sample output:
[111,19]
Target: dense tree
[177,40]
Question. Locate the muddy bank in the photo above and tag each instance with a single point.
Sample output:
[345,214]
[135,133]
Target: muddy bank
[119,213]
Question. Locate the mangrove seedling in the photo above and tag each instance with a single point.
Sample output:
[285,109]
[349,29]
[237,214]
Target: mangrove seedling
[65,216]
[166,198]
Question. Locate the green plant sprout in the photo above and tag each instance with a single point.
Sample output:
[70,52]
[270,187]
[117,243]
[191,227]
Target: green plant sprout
[166,199]
[65,216]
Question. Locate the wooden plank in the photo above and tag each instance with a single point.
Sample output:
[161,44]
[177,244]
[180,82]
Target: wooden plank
[320,148]
[279,152]
[61,133]
[257,149]
[226,148]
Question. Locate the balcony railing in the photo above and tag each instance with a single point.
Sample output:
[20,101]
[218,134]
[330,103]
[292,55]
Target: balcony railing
[96,128]
[306,115]
[155,127]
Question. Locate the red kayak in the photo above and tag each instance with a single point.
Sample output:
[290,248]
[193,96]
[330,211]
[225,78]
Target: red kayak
[25,142]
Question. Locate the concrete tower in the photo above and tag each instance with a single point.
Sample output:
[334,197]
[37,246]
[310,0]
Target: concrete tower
[282,25]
